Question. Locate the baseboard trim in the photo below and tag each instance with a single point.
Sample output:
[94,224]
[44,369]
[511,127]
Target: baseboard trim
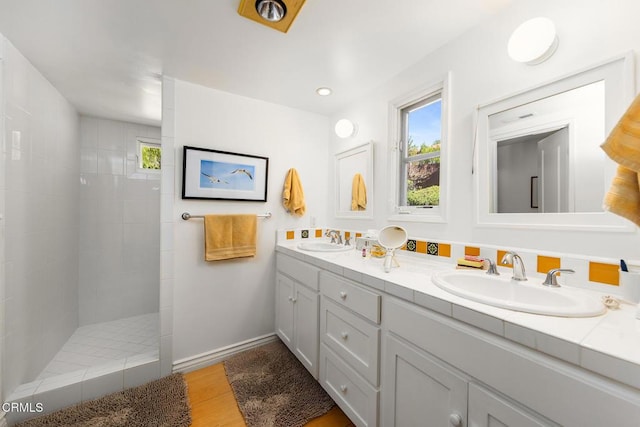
[203,360]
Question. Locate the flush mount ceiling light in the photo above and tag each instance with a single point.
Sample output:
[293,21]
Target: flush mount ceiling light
[277,14]
[271,10]
[345,128]
[323,91]
[534,41]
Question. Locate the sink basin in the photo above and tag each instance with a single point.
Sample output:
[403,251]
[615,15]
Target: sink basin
[529,297]
[322,247]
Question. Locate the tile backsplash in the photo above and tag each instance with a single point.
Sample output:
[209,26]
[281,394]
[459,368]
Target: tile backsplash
[596,274]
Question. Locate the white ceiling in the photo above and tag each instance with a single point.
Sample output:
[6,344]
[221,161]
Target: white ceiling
[107,56]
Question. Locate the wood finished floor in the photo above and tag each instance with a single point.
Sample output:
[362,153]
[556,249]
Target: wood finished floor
[214,405]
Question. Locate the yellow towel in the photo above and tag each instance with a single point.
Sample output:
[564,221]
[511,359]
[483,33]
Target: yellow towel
[293,194]
[623,146]
[229,236]
[358,193]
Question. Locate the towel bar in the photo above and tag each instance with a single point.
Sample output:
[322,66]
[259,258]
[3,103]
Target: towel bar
[187,215]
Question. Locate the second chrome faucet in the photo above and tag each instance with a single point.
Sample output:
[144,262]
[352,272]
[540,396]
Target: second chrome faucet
[518,266]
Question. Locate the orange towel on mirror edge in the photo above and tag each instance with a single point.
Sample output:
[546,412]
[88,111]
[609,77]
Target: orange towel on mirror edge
[293,194]
[358,193]
[229,236]
[623,146]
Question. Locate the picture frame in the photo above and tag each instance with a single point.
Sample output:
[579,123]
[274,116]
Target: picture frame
[222,175]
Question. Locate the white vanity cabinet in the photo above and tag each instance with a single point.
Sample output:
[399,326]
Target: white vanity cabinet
[420,391]
[297,309]
[350,347]
[507,384]
[389,362]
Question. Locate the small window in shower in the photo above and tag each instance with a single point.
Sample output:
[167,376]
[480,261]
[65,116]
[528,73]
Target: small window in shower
[149,155]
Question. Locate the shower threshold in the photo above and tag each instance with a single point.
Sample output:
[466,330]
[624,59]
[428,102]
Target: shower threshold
[96,360]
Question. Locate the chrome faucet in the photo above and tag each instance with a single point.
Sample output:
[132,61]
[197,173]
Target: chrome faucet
[552,276]
[518,266]
[492,270]
[335,236]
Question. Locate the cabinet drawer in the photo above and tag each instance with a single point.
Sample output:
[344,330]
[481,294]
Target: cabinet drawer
[353,339]
[350,295]
[354,395]
[300,271]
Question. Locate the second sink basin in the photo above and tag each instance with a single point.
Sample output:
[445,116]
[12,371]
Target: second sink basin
[323,247]
[530,296]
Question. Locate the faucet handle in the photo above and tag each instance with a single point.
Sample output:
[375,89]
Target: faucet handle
[552,276]
[492,270]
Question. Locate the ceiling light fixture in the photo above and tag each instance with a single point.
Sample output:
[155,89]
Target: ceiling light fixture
[323,91]
[271,10]
[534,41]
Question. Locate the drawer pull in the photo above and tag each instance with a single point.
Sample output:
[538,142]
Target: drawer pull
[293,300]
[344,335]
[343,295]
[343,388]
[290,298]
[455,420]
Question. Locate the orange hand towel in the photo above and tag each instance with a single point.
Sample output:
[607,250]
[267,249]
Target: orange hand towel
[229,236]
[293,194]
[358,193]
[623,146]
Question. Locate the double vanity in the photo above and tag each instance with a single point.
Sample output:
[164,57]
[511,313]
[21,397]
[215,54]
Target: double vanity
[401,349]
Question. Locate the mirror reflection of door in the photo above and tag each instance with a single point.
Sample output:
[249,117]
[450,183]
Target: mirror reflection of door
[543,155]
[553,172]
[557,139]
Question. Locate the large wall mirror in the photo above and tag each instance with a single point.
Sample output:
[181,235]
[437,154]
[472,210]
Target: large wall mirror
[539,161]
[354,182]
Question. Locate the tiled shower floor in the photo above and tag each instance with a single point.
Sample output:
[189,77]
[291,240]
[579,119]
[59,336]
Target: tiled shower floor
[96,360]
[106,342]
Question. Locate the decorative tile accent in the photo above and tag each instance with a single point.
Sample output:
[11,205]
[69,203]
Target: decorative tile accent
[421,247]
[432,248]
[444,249]
[546,263]
[318,233]
[472,251]
[291,234]
[304,234]
[604,273]
[499,256]
[411,245]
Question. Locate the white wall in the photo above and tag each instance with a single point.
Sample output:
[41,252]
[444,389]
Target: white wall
[119,270]
[590,31]
[40,145]
[216,304]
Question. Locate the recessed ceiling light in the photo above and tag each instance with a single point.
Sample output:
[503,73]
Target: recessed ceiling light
[323,91]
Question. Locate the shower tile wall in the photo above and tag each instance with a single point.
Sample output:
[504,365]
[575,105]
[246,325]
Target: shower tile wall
[40,186]
[119,223]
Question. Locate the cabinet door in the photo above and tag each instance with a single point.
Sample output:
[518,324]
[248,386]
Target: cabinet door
[418,390]
[489,410]
[306,334]
[284,309]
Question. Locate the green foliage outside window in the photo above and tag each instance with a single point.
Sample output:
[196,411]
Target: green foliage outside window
[151,157]
[429,196]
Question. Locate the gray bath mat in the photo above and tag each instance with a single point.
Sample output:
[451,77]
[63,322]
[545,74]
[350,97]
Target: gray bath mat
[160,403]
[273,389]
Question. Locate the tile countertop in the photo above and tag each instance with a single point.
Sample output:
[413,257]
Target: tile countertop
[608,344]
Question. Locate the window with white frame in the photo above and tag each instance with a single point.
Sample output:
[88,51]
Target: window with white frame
[149,154]
[420,127]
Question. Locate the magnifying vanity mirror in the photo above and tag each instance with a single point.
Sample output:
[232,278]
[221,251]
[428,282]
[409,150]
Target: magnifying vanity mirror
[539,161]
[354,182]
